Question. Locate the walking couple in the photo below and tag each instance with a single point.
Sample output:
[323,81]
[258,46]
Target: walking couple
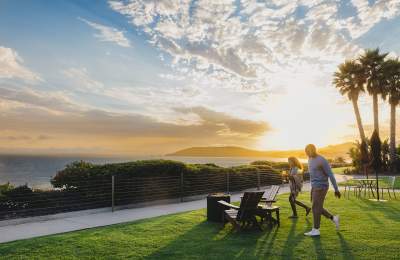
[320,172]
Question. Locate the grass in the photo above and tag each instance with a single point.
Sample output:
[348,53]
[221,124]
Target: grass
[370,230]
[384,182]
[340,170]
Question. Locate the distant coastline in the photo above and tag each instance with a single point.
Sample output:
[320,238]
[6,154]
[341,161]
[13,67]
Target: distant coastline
[37,170]
[331,151]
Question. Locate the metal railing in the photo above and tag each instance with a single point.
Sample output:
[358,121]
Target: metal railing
[126,190]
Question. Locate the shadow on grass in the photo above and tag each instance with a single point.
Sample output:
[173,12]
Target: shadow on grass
[345,248]
[319,250]
[209,240]
[266,244]
[373,218]
[292,240]
[388,210]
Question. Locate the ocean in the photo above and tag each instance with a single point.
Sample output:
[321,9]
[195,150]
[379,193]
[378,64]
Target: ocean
[36,171]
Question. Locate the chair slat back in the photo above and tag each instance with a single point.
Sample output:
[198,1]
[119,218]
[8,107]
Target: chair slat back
[272,192]
[393,181]
[249,204]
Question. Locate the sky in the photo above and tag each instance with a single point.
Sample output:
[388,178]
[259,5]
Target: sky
[150,77]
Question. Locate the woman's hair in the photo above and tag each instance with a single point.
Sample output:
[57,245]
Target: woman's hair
[295,162]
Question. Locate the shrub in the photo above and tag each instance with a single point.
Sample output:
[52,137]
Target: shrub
[17,198]
[80,173]
[5,187]
[376,151]
[275,165]
[73,173]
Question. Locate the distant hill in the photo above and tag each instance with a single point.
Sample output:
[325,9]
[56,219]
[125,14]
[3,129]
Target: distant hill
[331,151]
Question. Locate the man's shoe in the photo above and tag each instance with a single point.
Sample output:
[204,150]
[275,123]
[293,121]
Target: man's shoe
[335,220]
[313,233]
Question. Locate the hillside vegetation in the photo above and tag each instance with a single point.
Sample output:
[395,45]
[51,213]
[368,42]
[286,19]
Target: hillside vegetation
[331,151]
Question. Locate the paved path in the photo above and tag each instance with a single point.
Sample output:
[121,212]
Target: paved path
[73,223]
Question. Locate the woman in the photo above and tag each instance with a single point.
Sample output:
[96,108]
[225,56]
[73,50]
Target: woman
[296,183]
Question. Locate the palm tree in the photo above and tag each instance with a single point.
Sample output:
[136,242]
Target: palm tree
[391,69]
[350,81]
[371,62]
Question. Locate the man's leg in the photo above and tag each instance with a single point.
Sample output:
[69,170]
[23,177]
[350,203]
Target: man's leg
[325,212]
[328,215]
[318,197]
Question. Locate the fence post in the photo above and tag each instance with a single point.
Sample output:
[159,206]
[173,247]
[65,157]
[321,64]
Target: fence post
[182,186]
[112,193]
[227,182]
[258,179]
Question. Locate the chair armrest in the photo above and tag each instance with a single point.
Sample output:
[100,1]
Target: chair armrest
[226,204]
[267,201]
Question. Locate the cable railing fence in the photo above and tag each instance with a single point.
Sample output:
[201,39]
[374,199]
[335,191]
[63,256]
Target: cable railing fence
[123,190]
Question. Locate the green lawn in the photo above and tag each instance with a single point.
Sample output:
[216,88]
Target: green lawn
[340,170]
[369,230]
[384,182]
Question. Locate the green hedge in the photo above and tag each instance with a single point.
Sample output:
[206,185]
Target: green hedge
[79,172]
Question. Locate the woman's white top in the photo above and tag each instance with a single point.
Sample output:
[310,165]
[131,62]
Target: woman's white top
[294,170]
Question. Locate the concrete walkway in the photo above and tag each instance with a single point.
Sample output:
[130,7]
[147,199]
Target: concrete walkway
[79,222]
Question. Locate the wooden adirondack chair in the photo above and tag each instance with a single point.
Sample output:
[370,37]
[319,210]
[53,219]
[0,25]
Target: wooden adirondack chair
[266,208]
[244,215]
[270,195]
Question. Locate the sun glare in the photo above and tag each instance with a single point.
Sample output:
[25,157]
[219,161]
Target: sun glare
[303,114]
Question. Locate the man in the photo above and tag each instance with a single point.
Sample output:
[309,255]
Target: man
[320,171]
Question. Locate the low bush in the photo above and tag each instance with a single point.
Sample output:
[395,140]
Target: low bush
[78,173]
[275,165]
[5,187]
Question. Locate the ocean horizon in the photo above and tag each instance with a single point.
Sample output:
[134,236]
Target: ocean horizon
[37,170]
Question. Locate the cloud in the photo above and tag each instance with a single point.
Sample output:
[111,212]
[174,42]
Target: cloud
[56,102]
[53,119]
[242,45]
[23,138]
[16,138]
[81,79]
[11,66]
[370,14]
[102,123]
[227,124]
[170,76]
[108,34]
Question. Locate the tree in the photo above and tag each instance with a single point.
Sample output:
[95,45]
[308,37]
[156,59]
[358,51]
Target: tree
[391,69]
[371,62]
[350,81]
[359,155]
[385,155]
[354,154]
[376,152]
[364,157]
[339,160]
